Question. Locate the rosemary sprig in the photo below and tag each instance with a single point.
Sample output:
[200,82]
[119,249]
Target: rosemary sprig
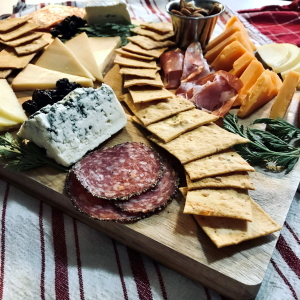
[20,155]
[270,148]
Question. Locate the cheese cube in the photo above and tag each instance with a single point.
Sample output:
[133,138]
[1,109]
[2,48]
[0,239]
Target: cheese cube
[75,125]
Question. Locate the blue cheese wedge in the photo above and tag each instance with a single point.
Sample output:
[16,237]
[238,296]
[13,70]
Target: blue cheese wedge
[75,125]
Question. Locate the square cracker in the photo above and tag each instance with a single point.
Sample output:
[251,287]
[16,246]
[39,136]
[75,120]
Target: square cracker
[8,59]
[23,39]
[148,43]
[152,34]
[31,47]
[170,128]
[4,73]
[16,32]
[155,111]
[133,55]
[141,72]
[124,61]
[148,93]
[162,27]
[227,231]
[137,49]
[238,180]
[228,203]
[10,23]
[139,81]
[217,164]
[200,142]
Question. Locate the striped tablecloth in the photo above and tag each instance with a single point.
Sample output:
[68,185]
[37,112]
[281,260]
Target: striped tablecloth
[48,255]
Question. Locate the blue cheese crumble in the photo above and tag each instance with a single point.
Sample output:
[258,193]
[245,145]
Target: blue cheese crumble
[75,125]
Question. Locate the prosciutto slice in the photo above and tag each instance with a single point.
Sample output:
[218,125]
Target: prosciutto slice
[194,65]
[172,65]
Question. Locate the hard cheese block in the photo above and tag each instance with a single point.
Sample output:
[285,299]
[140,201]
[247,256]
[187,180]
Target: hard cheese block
[107,11]
[10,107]
[58,57]
[34,77]
[75,125]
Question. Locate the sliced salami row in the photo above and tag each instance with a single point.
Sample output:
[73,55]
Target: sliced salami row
[124,183]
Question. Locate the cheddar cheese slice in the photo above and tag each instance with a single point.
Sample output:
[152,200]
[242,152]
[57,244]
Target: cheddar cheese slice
[226,58]
[34,77]
[241,64]
[79,46]
[11,112]
[249,77]
[285,95]
[214,52]
[57,57]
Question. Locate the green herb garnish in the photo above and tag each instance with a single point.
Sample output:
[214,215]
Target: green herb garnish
[271,148]
[108,30]
[20,155]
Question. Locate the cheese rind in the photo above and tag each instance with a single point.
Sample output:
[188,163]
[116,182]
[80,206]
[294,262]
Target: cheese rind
[10,108]
[57,57]
[34,77]
[75,125]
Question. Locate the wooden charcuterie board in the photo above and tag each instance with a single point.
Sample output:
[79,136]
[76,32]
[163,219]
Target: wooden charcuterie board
[173,238]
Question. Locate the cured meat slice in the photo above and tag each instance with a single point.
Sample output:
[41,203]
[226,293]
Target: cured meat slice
[119,172]
[172,65]
[195,65]
[97,208]
[156,198]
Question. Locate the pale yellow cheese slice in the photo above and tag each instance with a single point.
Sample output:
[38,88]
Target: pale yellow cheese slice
[57,57]
[10,108]
[80,47]
[103,49]
[34,77]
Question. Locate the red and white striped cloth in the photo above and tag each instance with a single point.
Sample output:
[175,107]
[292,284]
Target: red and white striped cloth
[48,255]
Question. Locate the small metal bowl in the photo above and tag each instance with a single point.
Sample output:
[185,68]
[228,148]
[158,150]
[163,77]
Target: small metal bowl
[189,29]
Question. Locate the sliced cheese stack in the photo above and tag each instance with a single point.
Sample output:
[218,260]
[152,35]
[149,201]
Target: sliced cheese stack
[138,62]
[20,44]
[11,112]
[80,60]
[232,51]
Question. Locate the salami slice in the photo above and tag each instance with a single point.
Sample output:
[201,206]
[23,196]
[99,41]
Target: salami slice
[94,207]
[119,172]
[156,198]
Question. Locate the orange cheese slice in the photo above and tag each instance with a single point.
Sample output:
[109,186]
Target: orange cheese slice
[249,77]
[285,95]
[214,52]
[259,94]
[240,65]
[226,58]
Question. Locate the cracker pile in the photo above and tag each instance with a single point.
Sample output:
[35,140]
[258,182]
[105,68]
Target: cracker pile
[216,176]
[19,44]
[138,62]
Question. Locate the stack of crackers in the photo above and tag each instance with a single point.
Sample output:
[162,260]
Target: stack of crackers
[138,61]
[19,44]
[216,176]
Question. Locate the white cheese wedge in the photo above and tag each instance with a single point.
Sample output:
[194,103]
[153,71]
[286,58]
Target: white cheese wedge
[57,57]
[11,111]
[6,124]
[80,47]
[33,77]
[75,125]
[107,11]
[293,60]
[103,49]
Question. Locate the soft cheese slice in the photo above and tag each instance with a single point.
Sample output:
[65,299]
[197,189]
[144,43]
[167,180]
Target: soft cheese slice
[103,49]
[10,108]
[34,77]
[80,47]
[75,125]
[58,57]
